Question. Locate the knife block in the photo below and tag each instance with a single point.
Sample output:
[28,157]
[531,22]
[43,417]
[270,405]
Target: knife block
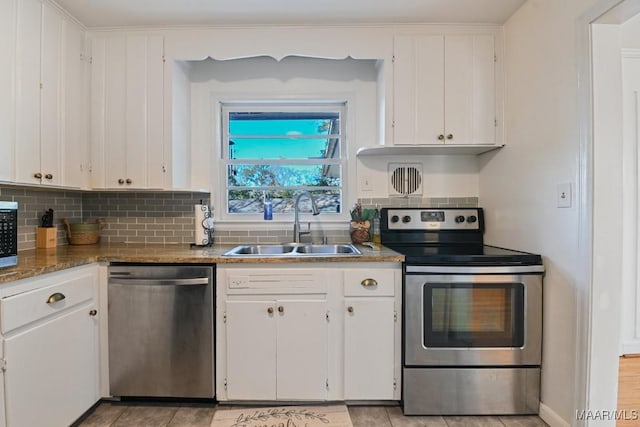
[46,237]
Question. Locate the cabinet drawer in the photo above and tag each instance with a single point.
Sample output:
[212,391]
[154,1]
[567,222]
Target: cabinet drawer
[367,282]
[21,309]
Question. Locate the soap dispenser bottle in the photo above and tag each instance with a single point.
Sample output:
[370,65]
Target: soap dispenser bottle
[268,208]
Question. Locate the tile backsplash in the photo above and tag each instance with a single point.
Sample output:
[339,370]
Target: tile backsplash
[32,204]
[162,217]
[143,217]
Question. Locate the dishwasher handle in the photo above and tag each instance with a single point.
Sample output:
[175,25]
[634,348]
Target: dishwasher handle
[161,282]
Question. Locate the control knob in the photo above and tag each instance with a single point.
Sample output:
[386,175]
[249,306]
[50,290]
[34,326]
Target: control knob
[459,219]
[471,219]
[395,218]
[406,219]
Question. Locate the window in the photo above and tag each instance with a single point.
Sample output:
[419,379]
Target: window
[276,150]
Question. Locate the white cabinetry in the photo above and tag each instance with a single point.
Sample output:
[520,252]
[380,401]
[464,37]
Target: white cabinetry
[369,331]
[40,46]
[444,90]
[8,24]
[308,333]
[275,324]
[50,347]
[127,111]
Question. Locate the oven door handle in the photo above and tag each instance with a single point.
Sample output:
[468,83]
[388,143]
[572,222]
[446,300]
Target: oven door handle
[435,269]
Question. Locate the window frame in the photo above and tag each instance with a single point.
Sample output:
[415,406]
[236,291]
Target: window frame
[314,104]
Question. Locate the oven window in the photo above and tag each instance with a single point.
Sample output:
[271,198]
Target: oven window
[473,315]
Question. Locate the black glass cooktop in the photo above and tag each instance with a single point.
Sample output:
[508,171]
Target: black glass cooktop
[468,255]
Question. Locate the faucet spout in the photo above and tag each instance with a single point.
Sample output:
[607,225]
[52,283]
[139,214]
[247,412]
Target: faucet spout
[296,214]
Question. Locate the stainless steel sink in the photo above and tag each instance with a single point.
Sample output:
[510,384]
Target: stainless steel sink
[327,249]
[293,250]
[261,250]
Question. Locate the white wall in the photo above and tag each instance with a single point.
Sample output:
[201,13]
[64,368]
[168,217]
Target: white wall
[442,176]
[631,33]
[518,184]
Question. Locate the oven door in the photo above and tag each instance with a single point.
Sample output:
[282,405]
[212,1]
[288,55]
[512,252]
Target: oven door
[479,319]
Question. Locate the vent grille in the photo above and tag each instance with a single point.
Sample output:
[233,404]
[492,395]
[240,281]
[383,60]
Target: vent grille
[405,179]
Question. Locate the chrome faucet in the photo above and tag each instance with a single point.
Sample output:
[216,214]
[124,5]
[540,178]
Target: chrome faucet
[296,218]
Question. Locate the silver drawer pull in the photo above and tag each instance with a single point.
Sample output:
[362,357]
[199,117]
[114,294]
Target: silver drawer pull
[55,298]
[369,282]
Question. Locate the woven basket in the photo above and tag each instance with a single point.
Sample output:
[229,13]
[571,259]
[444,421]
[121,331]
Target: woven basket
[83,233]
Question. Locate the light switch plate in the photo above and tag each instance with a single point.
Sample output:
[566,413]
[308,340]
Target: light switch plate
[563,195]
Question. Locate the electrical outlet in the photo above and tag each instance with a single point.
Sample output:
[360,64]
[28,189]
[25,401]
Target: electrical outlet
[365,183]
[563,195]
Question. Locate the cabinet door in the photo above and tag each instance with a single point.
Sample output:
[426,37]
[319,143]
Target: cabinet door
[418,112]
[115,119]
[28,61]
[144,102]
[51,375]
[127,112]
[52,74]
[251,350]
[302,350]
[75,141]
[8,9]
[369,348]
[469,103]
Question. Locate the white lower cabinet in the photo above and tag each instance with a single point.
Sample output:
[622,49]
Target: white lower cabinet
[369,358]
[49,345]
[308,334]
[282,350]
[370,329]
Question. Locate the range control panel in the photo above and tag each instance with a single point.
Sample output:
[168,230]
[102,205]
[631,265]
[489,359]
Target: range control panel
[434,219]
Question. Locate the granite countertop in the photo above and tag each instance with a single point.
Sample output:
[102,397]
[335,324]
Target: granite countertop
[35,262]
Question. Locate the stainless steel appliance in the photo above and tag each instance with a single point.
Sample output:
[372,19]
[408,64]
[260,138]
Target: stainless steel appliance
[472,315]
[161,327]
[8,234]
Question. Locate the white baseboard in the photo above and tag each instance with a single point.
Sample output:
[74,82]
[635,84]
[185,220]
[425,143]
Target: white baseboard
[550,417]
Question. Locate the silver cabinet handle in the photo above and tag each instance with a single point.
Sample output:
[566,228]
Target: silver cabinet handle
[53,298]
[369,282]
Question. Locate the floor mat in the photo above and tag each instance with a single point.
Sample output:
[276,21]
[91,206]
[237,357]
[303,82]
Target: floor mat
[283,416]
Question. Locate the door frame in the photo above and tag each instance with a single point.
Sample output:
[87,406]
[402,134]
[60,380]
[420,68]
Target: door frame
[596,379]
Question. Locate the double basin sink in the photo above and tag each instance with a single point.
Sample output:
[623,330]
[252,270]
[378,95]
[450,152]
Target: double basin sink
[293,250]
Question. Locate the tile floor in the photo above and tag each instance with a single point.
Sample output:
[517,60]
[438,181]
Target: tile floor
[121,414]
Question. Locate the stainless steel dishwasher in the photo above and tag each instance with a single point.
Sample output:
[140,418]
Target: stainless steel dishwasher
[161,327]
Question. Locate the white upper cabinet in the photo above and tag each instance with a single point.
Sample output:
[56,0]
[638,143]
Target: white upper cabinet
[28,109]
[127,80]
[444,90]
[44,122]
[75,156]
[8,10]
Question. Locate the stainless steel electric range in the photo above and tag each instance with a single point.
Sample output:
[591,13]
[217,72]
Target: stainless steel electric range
[472,315]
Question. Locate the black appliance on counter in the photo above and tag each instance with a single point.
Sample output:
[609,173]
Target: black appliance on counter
[8,234]
[472,315]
